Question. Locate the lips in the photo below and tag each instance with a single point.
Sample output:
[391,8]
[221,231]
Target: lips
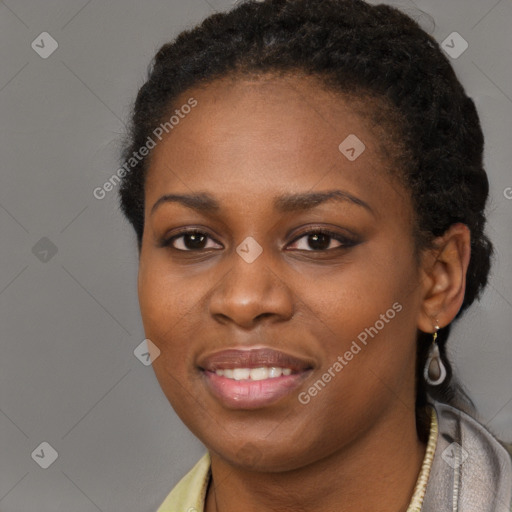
[253,358]
[252,378]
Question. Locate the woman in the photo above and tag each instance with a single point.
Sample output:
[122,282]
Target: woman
[307,190]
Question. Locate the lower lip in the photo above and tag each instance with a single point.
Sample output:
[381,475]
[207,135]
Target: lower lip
[252,394]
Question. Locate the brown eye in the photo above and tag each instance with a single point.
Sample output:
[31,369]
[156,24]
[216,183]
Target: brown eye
[188,241]
[321,240]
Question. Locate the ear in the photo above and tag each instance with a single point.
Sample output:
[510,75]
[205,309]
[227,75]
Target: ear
[443,280]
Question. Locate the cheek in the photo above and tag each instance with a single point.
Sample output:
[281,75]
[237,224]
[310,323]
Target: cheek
[164,305]
[368,312]
[173,308]
[164,295]
[353,297]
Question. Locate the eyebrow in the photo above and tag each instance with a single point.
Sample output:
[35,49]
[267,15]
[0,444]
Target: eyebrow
[205,203]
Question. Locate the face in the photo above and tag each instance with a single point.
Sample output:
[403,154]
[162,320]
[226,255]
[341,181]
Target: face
[282,291]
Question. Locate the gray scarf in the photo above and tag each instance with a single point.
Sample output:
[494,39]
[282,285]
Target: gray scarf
[471,470]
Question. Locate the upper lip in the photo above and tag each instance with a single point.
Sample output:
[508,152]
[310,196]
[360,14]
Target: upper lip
[252,358]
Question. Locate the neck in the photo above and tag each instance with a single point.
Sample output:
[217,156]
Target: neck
[376,473]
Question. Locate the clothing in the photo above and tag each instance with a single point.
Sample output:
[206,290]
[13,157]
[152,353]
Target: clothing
[473,475]
[476,478]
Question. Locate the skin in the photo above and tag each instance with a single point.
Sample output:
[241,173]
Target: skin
[354,446]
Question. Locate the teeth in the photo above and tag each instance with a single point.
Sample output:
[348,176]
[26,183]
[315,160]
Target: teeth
[241,373]
[253,373]
[275,372]
[259,373]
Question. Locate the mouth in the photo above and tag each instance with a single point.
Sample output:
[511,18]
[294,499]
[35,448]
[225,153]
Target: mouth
[252,378]
[262,373]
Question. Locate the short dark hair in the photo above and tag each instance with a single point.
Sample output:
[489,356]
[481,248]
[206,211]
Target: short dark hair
[355,48]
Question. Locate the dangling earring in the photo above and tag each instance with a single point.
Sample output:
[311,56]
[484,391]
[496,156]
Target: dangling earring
[435,371]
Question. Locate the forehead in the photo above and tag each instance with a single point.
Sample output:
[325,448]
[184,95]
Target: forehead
[270,133]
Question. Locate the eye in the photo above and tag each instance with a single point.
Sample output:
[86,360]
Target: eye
[317,239]
[321,239]
[192,240]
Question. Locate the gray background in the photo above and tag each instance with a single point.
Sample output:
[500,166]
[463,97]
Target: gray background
[70,320]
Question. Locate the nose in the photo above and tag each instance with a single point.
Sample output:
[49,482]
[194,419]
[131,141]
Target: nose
[249,293]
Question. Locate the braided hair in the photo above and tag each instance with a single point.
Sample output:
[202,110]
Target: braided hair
[364,51]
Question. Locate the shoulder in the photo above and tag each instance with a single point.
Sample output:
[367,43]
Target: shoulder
[471,465]
[470,430]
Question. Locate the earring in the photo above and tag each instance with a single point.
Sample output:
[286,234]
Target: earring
[435,371]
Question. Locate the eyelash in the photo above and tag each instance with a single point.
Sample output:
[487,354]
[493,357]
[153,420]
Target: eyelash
[343,240]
